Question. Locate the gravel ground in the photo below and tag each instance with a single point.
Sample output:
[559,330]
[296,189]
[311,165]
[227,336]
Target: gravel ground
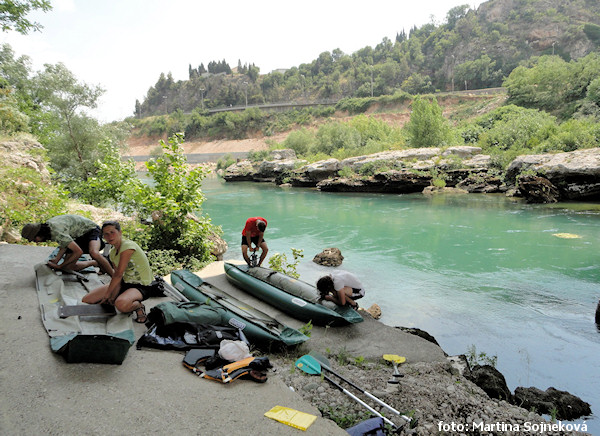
[433,394]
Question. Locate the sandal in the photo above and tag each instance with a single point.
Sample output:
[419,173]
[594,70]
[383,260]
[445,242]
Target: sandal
[140,314]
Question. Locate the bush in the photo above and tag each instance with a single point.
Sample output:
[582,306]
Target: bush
[301,141]
[572,135]
[335,135]
[173,200]
[522,129]
[427,126]
[225,162]
[258,155]
[279,262]
[114,184]
[27,197]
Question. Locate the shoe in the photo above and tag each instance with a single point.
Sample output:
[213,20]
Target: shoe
[140,315]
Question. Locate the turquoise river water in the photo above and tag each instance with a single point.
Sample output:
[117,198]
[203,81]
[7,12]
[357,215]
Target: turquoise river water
[472,270]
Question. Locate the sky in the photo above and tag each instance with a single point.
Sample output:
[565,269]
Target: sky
[124,45]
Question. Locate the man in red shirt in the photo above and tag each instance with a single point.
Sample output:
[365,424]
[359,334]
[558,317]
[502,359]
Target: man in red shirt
[253,233]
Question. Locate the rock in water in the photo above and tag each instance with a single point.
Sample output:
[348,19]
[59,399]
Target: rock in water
[329,257]
[374,311]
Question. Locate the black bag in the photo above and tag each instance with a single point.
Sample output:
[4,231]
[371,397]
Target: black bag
[186,336]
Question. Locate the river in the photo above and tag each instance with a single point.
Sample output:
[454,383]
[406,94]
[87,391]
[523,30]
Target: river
[483,271]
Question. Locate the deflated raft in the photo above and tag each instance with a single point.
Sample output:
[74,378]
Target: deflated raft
[81,332]
[260,328]
[292,296]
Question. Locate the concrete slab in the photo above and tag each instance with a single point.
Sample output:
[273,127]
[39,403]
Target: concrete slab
[150,393]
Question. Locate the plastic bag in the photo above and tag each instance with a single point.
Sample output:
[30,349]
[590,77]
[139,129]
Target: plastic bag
[233,350]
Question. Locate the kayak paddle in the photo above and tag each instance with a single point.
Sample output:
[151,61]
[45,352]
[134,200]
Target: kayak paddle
[395,359]
[324,362]
[310,365]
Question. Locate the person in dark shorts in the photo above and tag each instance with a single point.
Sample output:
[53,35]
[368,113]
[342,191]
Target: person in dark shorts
[254,233]
[131,282]
[75,236]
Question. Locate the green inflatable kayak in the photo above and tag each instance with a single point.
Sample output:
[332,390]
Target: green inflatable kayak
[292,296]
[81,332]
[261,329]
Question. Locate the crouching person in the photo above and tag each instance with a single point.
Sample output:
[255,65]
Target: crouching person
[131,281]
[75,235]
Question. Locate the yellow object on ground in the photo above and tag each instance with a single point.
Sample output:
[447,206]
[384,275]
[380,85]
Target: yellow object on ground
[394,358]
[566,235]
[291,417]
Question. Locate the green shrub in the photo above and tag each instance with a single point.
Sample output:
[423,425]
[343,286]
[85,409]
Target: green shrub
[114,184]
[301,141]
[355,105]
[163,262]
[279,262]
[173,199]
[225,162]
[27,197]
[335,135]
[346,172]
[427,126]
[572,135]
[258,155]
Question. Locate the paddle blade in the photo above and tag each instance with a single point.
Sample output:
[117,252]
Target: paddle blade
[394,358]
[309,365]
[320,358]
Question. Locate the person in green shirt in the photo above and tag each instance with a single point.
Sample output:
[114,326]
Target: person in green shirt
[75,236]
[131,282]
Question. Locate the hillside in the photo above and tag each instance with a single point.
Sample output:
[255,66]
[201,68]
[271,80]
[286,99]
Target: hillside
[457,107]
[470,49]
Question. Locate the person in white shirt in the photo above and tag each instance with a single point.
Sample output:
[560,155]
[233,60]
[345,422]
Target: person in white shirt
[341,287]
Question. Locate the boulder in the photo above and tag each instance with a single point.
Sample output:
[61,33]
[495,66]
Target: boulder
[566,405]
[491,381]
[374,311]
[481,183]
[218,246]
[394,181]
[481,161]
[242,171]
[462,151]
[283,154]
[320,170]
[18,154]
[537,189]
[575,174]
[329,257]
[413,154]
[420,333]
[12,236]
[274,170]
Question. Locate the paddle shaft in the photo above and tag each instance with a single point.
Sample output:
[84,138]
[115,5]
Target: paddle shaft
[358,400]
[174,293]
[368,394]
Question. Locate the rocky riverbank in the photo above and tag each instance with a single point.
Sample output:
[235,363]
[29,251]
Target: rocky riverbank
[439,397]
[545,178]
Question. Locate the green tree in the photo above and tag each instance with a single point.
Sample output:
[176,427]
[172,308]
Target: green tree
[114,182]
[13,14]
[427,126]
[543,86]
[11,118]
[16,101]
[174,200]
[69,134]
